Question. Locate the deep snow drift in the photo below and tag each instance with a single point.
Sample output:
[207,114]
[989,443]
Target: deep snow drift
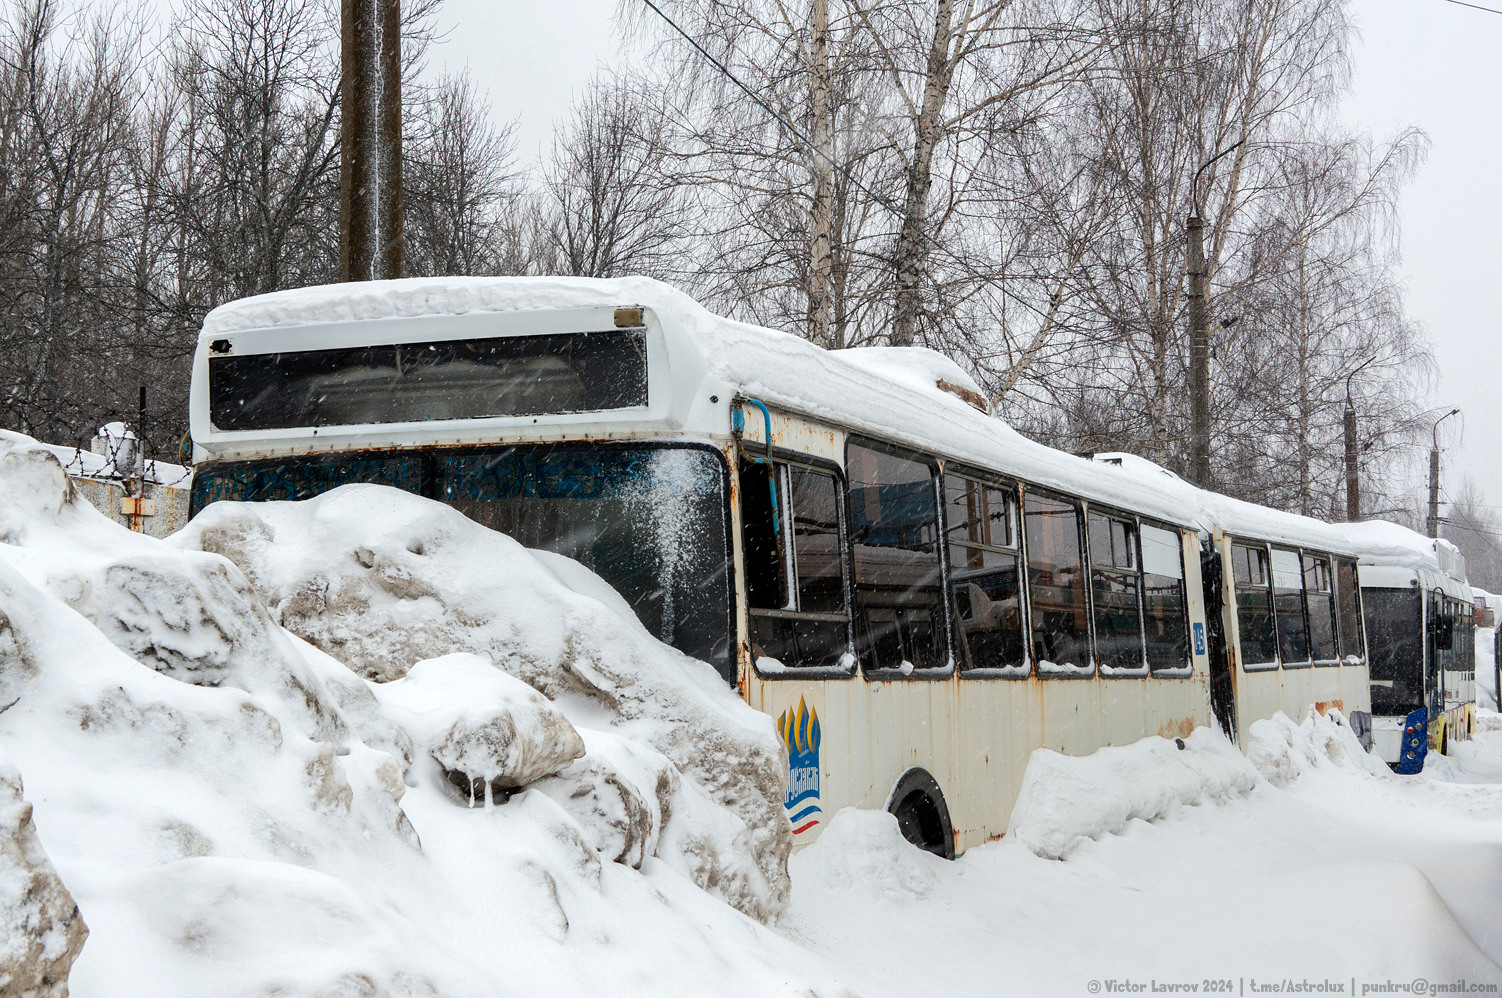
[237,812]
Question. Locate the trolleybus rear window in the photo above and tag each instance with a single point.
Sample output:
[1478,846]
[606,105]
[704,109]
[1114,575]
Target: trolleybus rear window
[418,382]
[1288,602]
[1395,633]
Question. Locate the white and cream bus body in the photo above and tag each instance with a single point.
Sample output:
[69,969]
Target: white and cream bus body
[1421,622]
[916,594]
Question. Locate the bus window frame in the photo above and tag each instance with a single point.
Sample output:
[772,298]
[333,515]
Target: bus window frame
[1297,552]
[1355,563]
[1090,509]
[1307,555]
[1185,671]
[936,483]
[782,458]
[1082,509]
[1012,487]
[1233,542]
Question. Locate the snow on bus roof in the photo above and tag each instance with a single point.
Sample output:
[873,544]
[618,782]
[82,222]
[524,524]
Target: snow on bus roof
[889,392]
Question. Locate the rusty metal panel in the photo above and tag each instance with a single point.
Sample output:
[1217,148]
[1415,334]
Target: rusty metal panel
[163,510]
[795,434]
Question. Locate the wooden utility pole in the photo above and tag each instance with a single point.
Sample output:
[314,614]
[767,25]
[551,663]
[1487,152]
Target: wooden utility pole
[371,243]
[1199,354]
[1198,271]
[393,240]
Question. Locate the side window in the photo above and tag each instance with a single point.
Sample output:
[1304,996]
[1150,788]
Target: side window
[1056,585]
[984,574]
[1288,605]
[1348,611]
[1163,598]
[894,537]
[1114,591]
[1319,596]
[1254,606]
[763,499]
[795,570]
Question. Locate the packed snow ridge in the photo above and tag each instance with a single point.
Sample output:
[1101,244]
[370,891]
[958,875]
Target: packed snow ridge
[367,735]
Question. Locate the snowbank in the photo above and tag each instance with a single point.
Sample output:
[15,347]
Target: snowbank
[1066,800]
[236,812]
[1282,751]
[380,579]
[41,930]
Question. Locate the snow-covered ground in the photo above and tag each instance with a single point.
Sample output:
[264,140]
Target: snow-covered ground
[252,752]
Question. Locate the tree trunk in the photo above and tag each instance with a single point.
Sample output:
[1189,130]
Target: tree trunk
[821,163]
[912,247]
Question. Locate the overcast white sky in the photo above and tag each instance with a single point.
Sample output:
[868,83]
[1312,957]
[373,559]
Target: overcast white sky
[1418,62]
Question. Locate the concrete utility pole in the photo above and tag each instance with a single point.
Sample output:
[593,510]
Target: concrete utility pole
[1198,271]
[1434,476]
[371,242]
[1353,469]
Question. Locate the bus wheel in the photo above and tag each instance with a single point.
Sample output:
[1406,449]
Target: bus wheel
[918,804]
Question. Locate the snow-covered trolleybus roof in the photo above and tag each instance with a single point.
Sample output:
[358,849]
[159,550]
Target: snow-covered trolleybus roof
[675,370]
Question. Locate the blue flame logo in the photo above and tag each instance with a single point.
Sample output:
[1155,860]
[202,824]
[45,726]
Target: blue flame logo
[800,733]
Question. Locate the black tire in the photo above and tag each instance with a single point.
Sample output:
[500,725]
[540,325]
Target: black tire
[918,804]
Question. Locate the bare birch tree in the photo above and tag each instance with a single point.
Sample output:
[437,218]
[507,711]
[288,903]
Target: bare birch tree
[610,204]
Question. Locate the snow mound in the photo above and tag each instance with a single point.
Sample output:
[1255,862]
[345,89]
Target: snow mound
[1066,800]
[1283,751]
[477,721]
[863,851]
[381,579]
[41,930]
[237,812]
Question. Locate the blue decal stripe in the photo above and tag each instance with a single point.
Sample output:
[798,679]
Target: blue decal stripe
[811,809]
[801,797]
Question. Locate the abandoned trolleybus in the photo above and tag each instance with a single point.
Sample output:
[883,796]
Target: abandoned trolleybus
[918,595]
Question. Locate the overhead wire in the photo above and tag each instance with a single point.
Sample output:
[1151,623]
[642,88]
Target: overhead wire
[808,143]
[1474,6]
